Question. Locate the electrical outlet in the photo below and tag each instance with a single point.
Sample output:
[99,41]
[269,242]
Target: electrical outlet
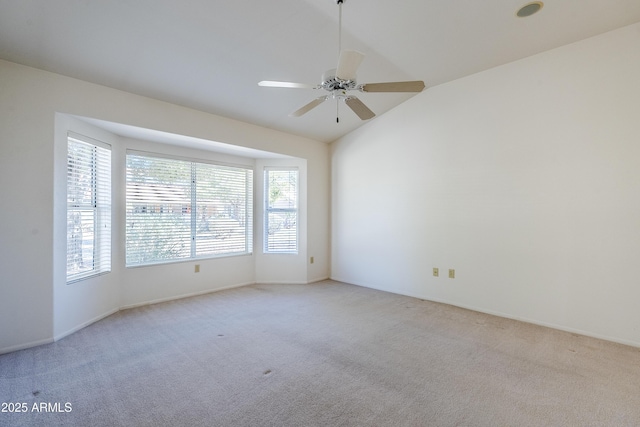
[452,273]
[436,272]
[197,268]
[311,260]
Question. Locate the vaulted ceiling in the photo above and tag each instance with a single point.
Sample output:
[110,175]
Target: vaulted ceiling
[210,54]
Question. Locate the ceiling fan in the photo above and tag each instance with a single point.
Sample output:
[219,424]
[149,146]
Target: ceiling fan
[342,79]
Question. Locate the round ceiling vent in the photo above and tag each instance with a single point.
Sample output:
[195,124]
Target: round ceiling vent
[529,9]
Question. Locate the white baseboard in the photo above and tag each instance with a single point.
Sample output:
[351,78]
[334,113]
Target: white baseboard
[293,282]
[320,279]
[500,314]
[84,324]
[181,296]
[281,282]
[25,346]
[57,337]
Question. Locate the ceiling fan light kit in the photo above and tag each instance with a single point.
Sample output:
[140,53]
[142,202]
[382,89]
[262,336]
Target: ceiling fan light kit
[340,80]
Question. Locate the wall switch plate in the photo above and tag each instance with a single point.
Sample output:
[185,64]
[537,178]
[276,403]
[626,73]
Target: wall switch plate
[197,268]
[452,273]
[436,272]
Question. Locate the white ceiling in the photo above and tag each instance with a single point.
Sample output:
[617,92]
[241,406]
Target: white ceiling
[210,54]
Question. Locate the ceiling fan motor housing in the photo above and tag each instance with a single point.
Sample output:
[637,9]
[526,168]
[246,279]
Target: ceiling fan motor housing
[331,83]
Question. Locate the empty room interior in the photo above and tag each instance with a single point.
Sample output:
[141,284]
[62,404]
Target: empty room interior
[320,212]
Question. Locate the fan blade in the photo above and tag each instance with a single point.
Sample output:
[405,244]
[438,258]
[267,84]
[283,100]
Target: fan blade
[310,106]
[269,83]
[348,64]
[359,108]
[414,86]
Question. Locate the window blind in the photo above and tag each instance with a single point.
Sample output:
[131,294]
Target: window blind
[281,210]
[180,209]
[88,208]
[224,201]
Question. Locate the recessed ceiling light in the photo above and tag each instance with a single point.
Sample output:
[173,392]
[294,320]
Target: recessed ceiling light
[529,9]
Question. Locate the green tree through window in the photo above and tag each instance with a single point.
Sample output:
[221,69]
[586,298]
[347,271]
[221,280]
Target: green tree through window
[179,209]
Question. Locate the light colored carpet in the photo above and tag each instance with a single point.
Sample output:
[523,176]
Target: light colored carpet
[327,354]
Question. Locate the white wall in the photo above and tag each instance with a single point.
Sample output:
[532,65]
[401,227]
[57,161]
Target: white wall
[524,179]
[80,303]
[35,304]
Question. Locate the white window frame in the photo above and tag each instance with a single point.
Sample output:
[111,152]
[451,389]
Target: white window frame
[193,204]
[89,171]
[270,246]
